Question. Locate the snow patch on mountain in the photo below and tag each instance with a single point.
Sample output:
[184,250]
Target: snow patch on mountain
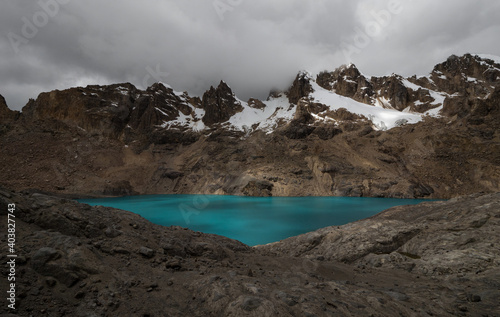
[382,118]
[435,112]
[192,121]
[494,58]
[267,119]
[411,85]
[438,97]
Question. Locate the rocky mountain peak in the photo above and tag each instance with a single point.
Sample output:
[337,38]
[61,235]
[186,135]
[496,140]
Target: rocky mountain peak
[157,87]
[3,103]
[393,89]
[112,110]
[347,81]
[455,64]
[115,110]
[220,104]
[467,74]
[6,115]
[3,107]
[100,109]
[301,87]
[349,70]
[159,106]
[224,86]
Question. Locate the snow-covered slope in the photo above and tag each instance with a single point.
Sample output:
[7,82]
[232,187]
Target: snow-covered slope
[387,102]
[192,121]
[382,118]
[277,110]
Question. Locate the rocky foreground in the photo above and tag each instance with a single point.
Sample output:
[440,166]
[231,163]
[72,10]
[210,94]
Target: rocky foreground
[432,259]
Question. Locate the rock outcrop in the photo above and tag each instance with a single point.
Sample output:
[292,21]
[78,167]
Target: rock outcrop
[347,81]
[111,110]
[102,110]
[6,115]
[220,104]
[467,74]
[434,259]
[392,88]
[418,232]
[301,87]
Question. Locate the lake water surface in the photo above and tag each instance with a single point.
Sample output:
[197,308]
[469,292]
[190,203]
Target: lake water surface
[251,220]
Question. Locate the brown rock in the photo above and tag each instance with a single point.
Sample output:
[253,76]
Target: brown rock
[258,188]
[220,104]
[349,82]
[6,115]
[300,88]
[392,89]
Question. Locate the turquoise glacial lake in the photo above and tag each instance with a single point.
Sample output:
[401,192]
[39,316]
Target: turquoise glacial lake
[251,220]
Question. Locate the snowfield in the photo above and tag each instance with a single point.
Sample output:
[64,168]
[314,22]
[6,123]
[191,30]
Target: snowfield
[382,118]
[267,119]
[279,109]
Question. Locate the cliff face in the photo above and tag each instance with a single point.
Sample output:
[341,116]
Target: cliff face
[301,87]
[431,259]
[469,74]
[349,82]
[110,110]
[339,134]
[219,104]
[6,115]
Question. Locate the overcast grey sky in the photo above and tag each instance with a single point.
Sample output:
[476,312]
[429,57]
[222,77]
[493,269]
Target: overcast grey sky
[254,45]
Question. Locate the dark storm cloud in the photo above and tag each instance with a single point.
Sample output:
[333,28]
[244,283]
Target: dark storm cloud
[253,45]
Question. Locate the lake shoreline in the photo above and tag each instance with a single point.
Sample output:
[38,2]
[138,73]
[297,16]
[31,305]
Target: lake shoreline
[76,256]
[251,220]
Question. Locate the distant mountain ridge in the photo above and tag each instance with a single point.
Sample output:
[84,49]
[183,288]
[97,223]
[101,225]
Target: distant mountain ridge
[386,101]
[338,133]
